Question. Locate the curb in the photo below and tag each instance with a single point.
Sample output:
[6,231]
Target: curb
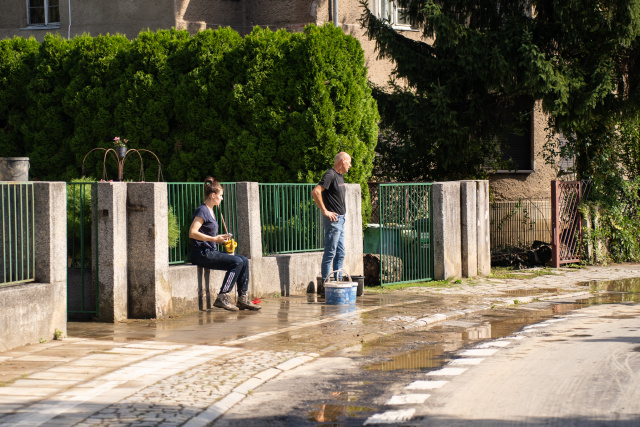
[216,410]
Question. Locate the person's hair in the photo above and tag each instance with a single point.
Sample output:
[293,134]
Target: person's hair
[211,186]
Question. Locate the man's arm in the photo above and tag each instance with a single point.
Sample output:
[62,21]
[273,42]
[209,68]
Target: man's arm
[316,193]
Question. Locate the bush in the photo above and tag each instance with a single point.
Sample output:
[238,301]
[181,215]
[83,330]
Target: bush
[272,107]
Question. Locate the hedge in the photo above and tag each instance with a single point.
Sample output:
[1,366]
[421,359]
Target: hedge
[269,107]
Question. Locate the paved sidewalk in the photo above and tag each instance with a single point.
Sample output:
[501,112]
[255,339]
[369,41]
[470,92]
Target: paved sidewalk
[124,381]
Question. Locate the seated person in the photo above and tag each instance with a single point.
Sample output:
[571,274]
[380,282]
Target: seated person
[204,252]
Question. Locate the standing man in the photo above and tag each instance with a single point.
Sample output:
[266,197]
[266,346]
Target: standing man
[329,196]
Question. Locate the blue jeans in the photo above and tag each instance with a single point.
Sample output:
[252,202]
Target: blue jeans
[333,245]
[236,266]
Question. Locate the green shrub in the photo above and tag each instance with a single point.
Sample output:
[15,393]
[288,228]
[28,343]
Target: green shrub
[272,107]
[174,229]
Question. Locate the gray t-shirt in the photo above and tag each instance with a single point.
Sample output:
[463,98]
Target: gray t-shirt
[333,196]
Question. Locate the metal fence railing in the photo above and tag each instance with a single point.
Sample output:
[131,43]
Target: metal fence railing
[82,248]
[290,220]
[406,232]
[519,223]
[18,232]
[184,198]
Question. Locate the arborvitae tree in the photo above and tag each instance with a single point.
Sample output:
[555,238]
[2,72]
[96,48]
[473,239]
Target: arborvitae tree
[480,62]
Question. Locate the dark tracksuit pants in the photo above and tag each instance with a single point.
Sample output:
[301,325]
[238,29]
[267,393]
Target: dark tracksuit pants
[236,266]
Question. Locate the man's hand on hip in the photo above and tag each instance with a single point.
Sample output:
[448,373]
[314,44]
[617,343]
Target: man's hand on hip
[331,215]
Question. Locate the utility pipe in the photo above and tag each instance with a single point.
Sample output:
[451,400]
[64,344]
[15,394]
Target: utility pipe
[69,33]
[335,13]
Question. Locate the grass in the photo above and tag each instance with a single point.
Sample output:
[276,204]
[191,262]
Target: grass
[510,273]
[400,286]
[579,266]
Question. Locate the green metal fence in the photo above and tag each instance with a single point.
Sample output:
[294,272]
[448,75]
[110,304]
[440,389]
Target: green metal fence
[82,248]
[17,210]
[184,198]
[290,220]
[406,233]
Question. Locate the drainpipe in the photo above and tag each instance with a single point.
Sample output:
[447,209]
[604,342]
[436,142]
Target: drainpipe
[69,33]
[335,13]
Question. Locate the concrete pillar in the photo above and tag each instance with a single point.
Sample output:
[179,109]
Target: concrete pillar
[14,169]
[447,259]
[353,239]
[50,223]
[469,228]
[249,232]
[149,291]
[112,251]
[484,250]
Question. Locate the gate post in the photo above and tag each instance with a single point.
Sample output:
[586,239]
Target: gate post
[468,214]
[112,251]
[484,228]
[149,290]
[447,242]
[555,244]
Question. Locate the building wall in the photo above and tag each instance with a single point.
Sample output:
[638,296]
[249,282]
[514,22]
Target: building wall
[526,185]
[196,15]
[93,17]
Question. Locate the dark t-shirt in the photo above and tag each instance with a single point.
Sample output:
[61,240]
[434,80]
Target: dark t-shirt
[209,227]
[333,196]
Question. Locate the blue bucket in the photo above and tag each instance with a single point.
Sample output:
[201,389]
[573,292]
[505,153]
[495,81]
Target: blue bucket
[354,292]
[336,293]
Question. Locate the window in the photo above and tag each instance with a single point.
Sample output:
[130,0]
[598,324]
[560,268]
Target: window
[43,12]
[396,15]
[517,146]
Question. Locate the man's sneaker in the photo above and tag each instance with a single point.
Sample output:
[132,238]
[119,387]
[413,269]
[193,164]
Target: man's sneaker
[223,302]
[244,303]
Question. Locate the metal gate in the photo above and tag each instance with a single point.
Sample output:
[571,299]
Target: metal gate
[406,244]
[566,221]
[82,249]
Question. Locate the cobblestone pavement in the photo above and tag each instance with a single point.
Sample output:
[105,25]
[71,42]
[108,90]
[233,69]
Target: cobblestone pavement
[90,382]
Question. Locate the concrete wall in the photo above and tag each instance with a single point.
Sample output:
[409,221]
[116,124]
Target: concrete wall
[33,311]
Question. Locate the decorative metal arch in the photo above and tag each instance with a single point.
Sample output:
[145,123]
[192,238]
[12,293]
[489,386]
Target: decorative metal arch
[121,161]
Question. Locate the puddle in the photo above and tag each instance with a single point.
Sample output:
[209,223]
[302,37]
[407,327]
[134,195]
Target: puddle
[450,336]
[334,412]
[423,358]
[630,285]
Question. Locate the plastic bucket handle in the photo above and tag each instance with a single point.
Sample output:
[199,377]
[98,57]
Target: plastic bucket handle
[337,271]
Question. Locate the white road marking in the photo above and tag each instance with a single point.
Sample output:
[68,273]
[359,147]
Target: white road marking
[447,372]
[425,385]
[494,344]
[391,417]
[405,399]
[467,361]
[479,352]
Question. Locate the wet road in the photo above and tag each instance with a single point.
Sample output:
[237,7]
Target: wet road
[300,362]
[560,363]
